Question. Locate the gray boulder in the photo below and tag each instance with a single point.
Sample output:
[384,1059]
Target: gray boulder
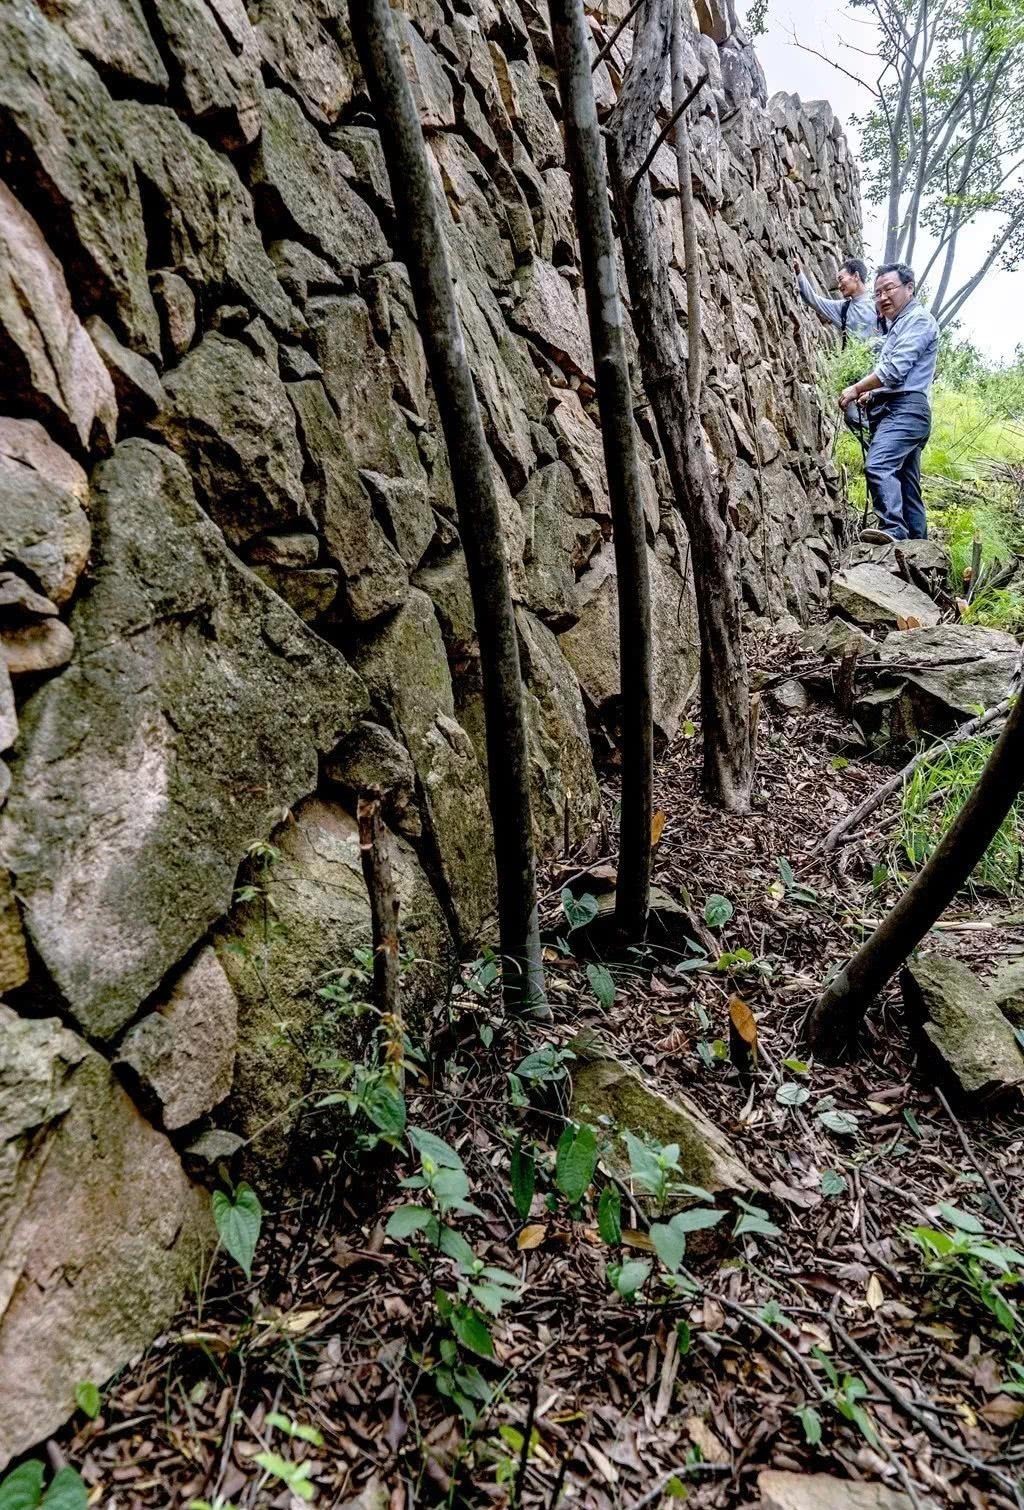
[228,417]
[1007,987]
[43,529]
[964,1036]
[298,40]
[193,713]
[204,213]
[113,35]
[871,596]
[182,1054]
[216,66]
[321,916]
[930,679]
[58,109]
[101,1230]
[566,798]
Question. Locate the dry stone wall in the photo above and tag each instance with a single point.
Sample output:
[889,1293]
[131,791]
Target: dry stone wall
[231,585]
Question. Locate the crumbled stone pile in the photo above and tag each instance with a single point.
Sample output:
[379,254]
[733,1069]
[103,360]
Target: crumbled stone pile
[231,585]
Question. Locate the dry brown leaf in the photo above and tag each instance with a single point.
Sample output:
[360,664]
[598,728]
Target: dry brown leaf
[1002,1412]
[658,821]
[605,1467]
[879,1108]
[701,1435]
[875,1294]
[631,1238]
[742,1033]
[531,1237]
[907,621]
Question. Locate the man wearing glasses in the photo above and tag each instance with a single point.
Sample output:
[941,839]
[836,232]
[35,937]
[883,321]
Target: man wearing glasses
[899,413]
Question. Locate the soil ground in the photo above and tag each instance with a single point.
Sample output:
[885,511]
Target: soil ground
[622,1407]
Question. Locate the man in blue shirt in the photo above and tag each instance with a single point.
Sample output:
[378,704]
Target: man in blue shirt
[899,413]
[854,312]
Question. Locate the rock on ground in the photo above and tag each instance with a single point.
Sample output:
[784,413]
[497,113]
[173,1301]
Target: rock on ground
[1007,987]
[965,1036]
[872,596]
[606,1089]
[820,1491]
[193,712]
[100,1230]
[934,678]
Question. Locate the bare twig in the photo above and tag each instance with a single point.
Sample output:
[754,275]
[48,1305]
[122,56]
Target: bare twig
[606,49]
[652,154]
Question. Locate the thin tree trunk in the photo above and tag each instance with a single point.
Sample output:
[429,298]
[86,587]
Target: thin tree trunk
[375,861]
[423,246]
[618,432]
[833,1021]
[725,688]
[694,323]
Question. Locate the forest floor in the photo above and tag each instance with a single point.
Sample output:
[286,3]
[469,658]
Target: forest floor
[824,1323]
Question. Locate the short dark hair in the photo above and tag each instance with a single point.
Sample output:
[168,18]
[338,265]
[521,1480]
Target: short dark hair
[857,267]
[902,271]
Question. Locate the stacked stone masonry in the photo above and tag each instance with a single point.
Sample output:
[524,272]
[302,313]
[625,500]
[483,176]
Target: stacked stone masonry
[231,586]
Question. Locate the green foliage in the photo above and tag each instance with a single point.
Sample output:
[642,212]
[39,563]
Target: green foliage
[717,911]
[22,1489]
[88,1399]
[294,1475]
[575,1161]
[523,1174]
[753,1221]
[238,1217]
[966,1264]
[295,1429]
[834,1183]
[579,911]
[669,1238]
[602,984]
[654,1170]
[626,1279]
[811,1422]
[609,1216]
[840,367]
[846,1397]
[933,796]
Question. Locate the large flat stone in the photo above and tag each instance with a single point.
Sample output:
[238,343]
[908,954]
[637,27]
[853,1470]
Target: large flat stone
[870,595]
[113,35]
[182,1055]
[565,793]
[69,133]
[298,41]
[820,1491]
[949,672]
[193,713]
[406,672]
[100,1231]
[321,916]
[43,528]
[228,417]
[216,66]
[204,213]
[48,364]
[966,1038]
[303,180]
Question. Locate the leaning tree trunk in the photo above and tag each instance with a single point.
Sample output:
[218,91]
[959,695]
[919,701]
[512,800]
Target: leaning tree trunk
[725,688]
[833,1021]
[423,245]
[694,322]
[618,432]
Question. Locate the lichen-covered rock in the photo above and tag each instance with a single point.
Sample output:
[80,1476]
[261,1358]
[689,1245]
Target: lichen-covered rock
[1007,987]
[193,712]
[591,646]
[565,792]
[321,917]
[29,649]
[202,211]
[137,386]
[560,540]
[100,1230]
[406,672]
[301,180]
[298,40]
[934,678]
[228,416]
[182,1054]
[115,38]
[403,503]
[176,306]
[48,364]
[216,65]
[43,528]
[966,1039]
[371,757]
[58,108]
[870,595]
[607,1094]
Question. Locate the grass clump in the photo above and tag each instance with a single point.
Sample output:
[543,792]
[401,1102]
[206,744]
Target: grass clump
[932,798]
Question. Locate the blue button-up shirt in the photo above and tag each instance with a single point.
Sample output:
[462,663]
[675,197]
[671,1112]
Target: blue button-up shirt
[906,362]
[861,319]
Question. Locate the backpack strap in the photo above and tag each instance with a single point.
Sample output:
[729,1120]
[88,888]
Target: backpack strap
[844,316]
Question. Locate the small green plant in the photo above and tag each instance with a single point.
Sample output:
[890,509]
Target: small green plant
[88,1399]
[22,1489]
[966,1264]
[846,1398]
[295,1476]
[602,983]
[575,1162]
[654,1170]
[296,1429]
[933,796]
[238,1217]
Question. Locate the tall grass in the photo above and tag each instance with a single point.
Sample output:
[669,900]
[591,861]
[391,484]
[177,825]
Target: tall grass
[934,795]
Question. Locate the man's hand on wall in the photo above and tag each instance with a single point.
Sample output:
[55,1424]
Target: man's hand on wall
[848,396]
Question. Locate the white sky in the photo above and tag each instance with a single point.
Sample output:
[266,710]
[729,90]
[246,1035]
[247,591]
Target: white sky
[992,316]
